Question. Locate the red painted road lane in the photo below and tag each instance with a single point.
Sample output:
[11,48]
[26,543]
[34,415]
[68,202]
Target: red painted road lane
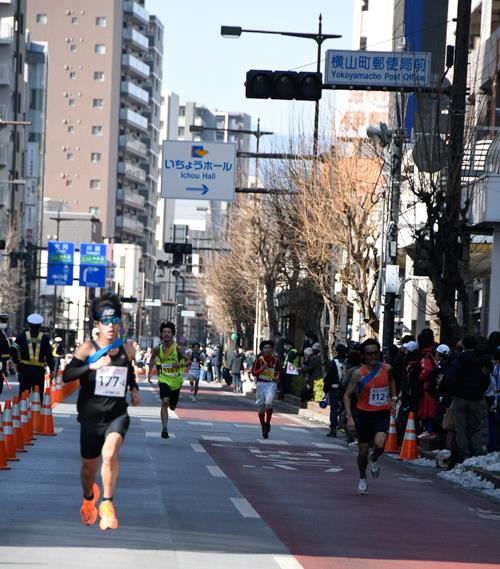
[408,520]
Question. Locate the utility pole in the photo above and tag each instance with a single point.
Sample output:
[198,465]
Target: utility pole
[451,234]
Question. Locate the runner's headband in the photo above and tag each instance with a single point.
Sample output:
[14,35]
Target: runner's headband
[108,312]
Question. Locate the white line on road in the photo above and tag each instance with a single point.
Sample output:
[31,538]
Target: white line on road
[201,423]
[216,472]
[294,429]
[334,469]
[151,434]
[244,508]
[287,562]
[216,438]
[246,426]
[58,430]
[285,467]
[273,442]
[328,445]
[197,447]
[249,466]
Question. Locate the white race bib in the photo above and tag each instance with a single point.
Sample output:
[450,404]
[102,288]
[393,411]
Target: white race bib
[379,396]
[291,369]
[111,381]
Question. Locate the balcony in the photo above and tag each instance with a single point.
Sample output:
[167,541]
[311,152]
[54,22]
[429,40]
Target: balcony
[133,119]
[4,112]
[133,146]
[136,66]
[134,92]
[136,11]
[6,33]
[484,211]
[130,198]
[4,151]
[129,224]
[131,171]
[137,39]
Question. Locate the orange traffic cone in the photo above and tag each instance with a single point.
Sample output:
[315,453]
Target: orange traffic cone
[10,444]
[25,425]
[47,423]
[409,448]
[391,444]
[59,391]
[3,452]
[27,394]
[35,409]
[16,424]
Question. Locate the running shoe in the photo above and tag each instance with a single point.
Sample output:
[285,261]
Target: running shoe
[193,398]
[88,511]
[332,433]
[362,486]
[374,469]
[268,427]
[164,433]
[108,517]
[265,432]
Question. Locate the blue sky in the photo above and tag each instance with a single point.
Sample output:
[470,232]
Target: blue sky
[200,65]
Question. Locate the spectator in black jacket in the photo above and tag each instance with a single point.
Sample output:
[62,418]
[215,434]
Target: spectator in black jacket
[466,382]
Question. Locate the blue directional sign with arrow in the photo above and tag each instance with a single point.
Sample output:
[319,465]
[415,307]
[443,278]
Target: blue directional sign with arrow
[60,263]
[93,265]
[198,171]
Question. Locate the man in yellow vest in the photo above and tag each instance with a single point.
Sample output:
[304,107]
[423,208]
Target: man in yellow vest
[5,349]
[169,360]
[33,354]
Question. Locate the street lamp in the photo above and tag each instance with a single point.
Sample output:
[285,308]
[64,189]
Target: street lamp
[319,38]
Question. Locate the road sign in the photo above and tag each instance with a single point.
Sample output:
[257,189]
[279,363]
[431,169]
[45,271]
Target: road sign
[188,313]
[198,170]
[152,302]
[377,68]
[60,263]
[93,265]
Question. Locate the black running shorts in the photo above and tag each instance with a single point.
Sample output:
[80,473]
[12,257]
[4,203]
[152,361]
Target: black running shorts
[172,394]
[369,423]
[92,436]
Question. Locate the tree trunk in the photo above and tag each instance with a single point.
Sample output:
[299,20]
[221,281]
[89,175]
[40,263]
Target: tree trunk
[272,320]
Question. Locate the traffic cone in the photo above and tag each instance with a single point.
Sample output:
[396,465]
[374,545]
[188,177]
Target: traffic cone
[53,393]
[16,424]
[27,394]
[35,409]
[391,444]
[59,390]
[409,448]
[10,445]
[3,452]
[47,423]
[25,426]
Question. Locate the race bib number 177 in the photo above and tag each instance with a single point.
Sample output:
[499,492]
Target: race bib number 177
[111,381]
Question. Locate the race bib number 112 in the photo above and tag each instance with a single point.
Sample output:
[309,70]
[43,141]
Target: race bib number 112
[111,381]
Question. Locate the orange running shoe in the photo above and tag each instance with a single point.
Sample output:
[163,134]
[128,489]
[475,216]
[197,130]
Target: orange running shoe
[108,516]
[88,511]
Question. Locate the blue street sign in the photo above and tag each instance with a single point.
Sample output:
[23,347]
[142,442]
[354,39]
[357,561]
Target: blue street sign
[93,265]
[60,263]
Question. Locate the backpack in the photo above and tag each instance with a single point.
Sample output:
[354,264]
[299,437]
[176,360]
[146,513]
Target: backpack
[427,365]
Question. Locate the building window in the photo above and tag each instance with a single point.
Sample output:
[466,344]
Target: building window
[95,211]
[71,129]
[41,18]
[97,130]
[98,75]
[73,48]
[101,21]
[362,43]
[71,102]
[180,131]
[70,156]
[182,111]
[364,7]
[69,183]
[100,48]
[95,184]
[74,20]
[72,74]
[98,103]
[95,157]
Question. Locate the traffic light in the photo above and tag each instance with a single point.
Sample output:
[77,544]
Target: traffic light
[178,251]
[265,84]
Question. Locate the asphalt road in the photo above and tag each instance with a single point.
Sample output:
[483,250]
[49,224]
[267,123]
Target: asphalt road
[217,495]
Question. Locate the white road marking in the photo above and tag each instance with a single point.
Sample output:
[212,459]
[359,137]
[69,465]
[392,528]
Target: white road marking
[328,445]
[201,423]
[287,562]
[294,429]
[255,450]
[249,466]
[216,438]
[334,469]
[244,508]
[58,430]
[269,467]
[197,448]
[216,472]
[272,442]
[241,426]
[151,434]
[285,467]
[407,478]
[314,454]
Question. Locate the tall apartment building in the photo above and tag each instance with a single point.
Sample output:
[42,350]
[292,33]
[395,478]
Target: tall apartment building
[105,71]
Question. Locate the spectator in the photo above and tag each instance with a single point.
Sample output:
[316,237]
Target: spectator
[288,372]
[466,382]
[332,387]
[235,363]
[313,371]
[427,405]
[217,358]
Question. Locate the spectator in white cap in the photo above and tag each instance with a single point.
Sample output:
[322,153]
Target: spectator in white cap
[58,352]
[411,346]
[33,354]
